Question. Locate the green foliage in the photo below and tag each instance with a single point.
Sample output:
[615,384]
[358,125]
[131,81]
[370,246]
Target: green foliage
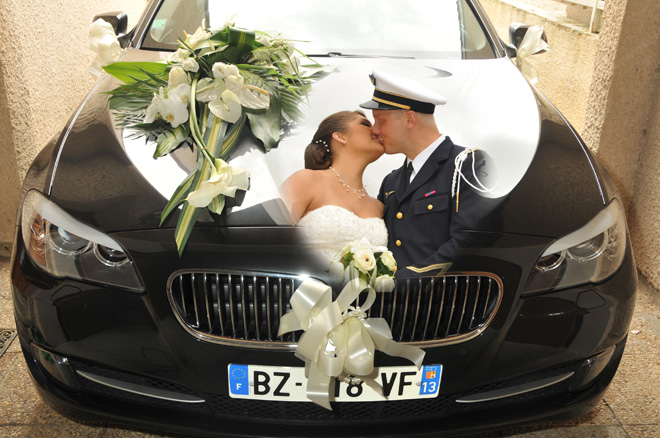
[130,72]
[268,65]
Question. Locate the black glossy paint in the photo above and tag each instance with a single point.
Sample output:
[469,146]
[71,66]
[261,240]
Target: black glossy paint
[136,335]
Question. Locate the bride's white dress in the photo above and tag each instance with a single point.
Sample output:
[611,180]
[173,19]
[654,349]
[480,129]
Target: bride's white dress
[330,227]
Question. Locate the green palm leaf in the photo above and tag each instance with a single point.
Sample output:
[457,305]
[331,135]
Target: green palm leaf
[184,227]
[179,195]
[130,72]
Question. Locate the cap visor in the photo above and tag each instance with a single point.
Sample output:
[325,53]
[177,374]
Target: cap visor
[373,105]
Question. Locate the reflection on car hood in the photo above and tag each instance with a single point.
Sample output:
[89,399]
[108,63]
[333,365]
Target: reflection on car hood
[490,107]
[110,180]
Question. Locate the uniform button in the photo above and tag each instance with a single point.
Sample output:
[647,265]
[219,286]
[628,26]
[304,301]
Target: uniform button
[398,243]
[399,215]
[430,207]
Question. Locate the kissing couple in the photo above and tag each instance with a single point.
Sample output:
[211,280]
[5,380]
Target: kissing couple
[422,212]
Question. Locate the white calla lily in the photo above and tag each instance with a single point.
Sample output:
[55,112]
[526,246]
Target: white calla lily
[227,108]
[253,97]
[209,89]
[225,180]
[222,70]
[250,96]
[199,39]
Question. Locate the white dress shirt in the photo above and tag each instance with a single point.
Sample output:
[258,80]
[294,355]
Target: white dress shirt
[421,158]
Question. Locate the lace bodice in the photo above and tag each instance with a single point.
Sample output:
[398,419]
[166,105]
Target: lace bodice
[330,227]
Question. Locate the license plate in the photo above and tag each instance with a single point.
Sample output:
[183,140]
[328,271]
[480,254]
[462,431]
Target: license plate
[261,382]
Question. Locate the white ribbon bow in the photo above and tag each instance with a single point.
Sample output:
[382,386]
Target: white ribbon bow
[103,42]
[531,44]
[338,337]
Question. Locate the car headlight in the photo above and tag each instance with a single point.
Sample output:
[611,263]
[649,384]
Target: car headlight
[589,255]
[66,247]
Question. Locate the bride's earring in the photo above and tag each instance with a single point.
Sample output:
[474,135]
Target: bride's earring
[339,138]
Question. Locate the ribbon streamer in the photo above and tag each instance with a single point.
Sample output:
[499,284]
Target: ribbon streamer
[339,338]
[458,176]
[531,44]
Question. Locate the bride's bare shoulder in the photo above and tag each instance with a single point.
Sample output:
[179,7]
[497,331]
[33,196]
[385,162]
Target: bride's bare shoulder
[300,190]
[303,177]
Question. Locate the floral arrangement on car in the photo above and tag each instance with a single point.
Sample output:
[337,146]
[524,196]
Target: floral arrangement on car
[218,84]
[339,339]
[360,259]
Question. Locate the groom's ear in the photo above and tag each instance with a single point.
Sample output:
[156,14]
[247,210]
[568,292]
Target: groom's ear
[411,118]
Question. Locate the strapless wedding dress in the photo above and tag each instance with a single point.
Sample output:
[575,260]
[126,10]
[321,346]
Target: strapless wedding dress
[330,227]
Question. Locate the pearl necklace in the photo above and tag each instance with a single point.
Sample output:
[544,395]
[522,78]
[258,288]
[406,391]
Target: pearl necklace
[360,193]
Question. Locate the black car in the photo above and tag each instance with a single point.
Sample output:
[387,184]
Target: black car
[117,327]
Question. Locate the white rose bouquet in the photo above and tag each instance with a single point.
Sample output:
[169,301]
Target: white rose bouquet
[375,265]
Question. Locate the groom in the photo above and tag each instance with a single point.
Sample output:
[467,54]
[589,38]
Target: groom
[427,226]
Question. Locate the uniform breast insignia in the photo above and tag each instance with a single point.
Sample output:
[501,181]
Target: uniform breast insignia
[442,268]
[388,194]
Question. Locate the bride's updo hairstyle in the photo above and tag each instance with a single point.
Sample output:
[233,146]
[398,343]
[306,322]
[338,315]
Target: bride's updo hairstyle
[318,154]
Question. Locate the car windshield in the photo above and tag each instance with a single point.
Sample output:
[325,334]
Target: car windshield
[439,29]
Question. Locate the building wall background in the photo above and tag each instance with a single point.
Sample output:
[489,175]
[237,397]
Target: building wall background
[565,71]
[623,117]
[44,58]
[608,86]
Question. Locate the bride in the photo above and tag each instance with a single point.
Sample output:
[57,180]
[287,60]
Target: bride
[327,199]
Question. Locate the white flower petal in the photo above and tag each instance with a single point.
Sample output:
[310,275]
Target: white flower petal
[337,271]
[253,98]
[364,259]
[209,89]
[182,91]
[152,110]
[228,108]
[190,65]
[222,70]
[225,180]
[177,76]
[173,110]
[199,39]
[384,283]
[179,56]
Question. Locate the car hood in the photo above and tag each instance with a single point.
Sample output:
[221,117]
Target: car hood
[107,177]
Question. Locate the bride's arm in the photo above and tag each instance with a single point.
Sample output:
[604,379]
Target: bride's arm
[297,193]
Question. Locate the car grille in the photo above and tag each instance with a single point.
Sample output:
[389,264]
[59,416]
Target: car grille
[245,308]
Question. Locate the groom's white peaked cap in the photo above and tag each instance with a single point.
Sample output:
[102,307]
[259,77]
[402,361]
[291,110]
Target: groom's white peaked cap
[396,92]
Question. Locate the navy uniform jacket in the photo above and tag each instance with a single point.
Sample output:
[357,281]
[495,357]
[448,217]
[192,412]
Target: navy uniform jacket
[424,229]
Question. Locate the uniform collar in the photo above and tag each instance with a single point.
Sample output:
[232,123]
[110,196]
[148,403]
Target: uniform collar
[423,156]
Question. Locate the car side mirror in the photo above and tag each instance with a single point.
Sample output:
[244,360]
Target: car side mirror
[119,22]
[517,32]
